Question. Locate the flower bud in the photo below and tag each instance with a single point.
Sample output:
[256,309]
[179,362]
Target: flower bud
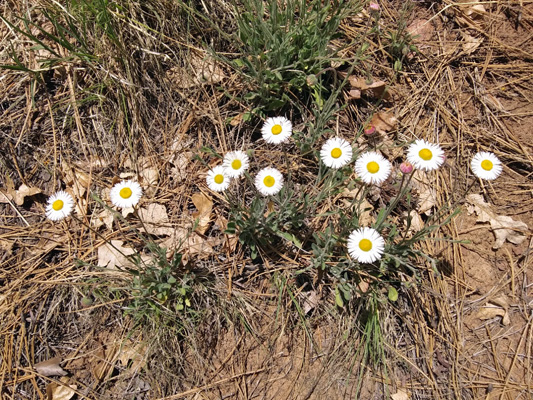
[369,130]
[374,7]
[406,167]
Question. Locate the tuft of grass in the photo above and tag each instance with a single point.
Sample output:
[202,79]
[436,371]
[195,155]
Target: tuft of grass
[286,48]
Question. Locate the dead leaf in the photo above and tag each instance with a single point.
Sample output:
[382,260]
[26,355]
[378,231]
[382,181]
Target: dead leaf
[95,163]
[4,197]
[470,43]
[364,209]
[354,94]
[155,220]
[104,217]
[421,29]
[311,299]
[114,254]
[204,205]
[471,15]
[149,174]
[384,122]
[76,179]
[203,70]
[363,286]
[236,120]
[126,211]
[375,89]
[427,195]
[50,367]
[401,394]
[503,227]
[135,351]
[180,161]
[189,244]
[416,221]
[491,311]
[55,391]
[23,192]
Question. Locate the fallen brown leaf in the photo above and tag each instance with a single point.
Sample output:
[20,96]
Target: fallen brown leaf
[114,254]
[50,367]
[470,43]
[427,194]
[492,311]
[503,227]
[375,89]
[384,122]
[23,191]
[421,29]
[401,394]
[63,391]
[204,205]
[205,70]
[155,220]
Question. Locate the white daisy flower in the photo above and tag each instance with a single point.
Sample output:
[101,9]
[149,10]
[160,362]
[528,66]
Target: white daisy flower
[59,206]
[126,194]
[486,165]
[366,245]
[269,181]
[217,179]
[236,162]
[425,155]
[336,153]
[276,130]
[372,168]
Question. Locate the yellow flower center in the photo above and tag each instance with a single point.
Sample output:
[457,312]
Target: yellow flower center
[425,154]
[57,205]
[486,165]
[365,245]
[269,181]
[125,193]
[219,178]
[336,152]
[372,167]
[236,164]
[276,129]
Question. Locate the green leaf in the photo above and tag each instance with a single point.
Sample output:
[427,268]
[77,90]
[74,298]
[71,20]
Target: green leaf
[291,238]
[230,229]
[393,294]
[338,298]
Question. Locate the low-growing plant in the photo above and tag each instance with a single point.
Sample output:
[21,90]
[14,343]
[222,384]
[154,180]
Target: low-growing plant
[399,41]
[286,47]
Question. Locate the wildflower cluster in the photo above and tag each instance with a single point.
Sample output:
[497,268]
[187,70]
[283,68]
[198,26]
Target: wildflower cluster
[124,194]
[365,244]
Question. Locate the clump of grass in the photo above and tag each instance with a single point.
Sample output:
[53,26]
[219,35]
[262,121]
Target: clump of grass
[286,48]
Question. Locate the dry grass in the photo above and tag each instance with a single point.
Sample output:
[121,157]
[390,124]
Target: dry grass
[136,107]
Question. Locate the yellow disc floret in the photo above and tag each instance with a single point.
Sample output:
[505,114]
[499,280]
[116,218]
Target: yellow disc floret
[372,167]
[336,152]
[219,178]
[125,193]
[276,129]
[425,154]
[269,181]
[487,165]
[236,164]
[365,245]
[57,205]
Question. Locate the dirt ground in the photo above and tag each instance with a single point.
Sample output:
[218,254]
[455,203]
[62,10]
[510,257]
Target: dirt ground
[465,333]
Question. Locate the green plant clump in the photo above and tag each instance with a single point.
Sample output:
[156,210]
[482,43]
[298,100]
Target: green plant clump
[286,47]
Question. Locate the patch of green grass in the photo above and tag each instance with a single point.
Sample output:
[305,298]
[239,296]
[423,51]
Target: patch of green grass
[285,48]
